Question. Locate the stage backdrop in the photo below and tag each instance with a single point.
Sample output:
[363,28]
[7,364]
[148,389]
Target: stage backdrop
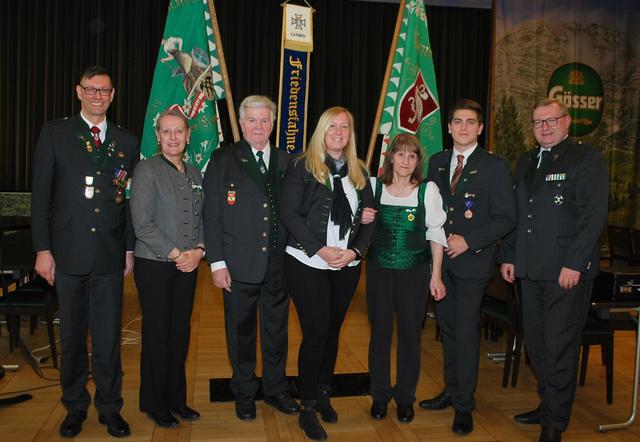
[585,53]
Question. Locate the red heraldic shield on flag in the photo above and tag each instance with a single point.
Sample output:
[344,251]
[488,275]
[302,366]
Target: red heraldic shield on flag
[416,104]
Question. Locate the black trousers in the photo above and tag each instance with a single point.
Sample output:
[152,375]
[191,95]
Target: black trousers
[166,300]
[240,308]
[404,292]
[553,322]
[459,319]
[321,298]
[90,302]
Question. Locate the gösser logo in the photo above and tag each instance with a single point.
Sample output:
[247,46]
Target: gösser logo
[579,88]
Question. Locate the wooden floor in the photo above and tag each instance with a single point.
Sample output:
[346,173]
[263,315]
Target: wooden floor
[40,418]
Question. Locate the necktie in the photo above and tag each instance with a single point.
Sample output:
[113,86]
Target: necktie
[457,173]
[261,165]
[95,131]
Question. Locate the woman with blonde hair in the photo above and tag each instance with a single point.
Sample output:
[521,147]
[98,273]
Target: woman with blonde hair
[324,193]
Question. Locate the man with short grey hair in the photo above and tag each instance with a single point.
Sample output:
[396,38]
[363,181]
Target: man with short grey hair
[245,244]
[561,192]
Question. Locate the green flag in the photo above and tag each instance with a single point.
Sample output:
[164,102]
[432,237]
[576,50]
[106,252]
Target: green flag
[411,99]
[187,76]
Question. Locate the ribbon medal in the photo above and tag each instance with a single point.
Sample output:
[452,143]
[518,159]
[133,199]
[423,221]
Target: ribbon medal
[468,213]
[120,180]
[89,189]
[410,215]
[231,197]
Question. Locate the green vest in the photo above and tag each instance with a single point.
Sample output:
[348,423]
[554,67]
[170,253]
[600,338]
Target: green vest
[399,240]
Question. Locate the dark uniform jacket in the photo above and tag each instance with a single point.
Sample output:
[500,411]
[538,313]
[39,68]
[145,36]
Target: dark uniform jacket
[237,213]
[560,215]
[306,208]
[482,210]
[83,234]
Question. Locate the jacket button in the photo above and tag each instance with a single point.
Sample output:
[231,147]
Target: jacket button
[530,200]
[450,221]
[266,218]
[97,210]
[528,230]
[264,234]
[93,229]
[264,249]
[265,205]
[450,209]
[97,190]
[98,172]
[529,216]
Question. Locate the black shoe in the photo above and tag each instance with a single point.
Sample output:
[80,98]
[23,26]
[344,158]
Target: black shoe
[116,426]
[550,434]
[308,421]
[283,402]
[530,417]
[440,402]
[462,422]
[186,413]
[323,405]
[405,413]
[72,424]
[378,410]
[246,408]
[163,419]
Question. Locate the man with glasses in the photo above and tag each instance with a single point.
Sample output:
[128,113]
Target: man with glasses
[84,240]
[561,192]
[477,192]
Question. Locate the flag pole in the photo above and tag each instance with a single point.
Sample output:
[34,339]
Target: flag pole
[385,84]
[223,71]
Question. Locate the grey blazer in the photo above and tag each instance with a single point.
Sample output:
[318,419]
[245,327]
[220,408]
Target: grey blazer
[165,208]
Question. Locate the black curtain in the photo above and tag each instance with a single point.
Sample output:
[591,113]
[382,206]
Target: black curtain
[47,43]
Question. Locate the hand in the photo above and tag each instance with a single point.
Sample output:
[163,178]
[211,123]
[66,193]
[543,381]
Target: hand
[457,246]
[129,260]
[190,261]
[222,279]
[368,215]
[568,278]
[438,290]
[46,266]
[331,255]
[508,272]
[346,256]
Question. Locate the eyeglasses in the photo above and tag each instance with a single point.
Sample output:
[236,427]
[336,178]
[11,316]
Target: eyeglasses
[90,90]
[550,122]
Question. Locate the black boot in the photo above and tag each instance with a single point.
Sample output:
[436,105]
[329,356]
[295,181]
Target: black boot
[308,421]
[327,412]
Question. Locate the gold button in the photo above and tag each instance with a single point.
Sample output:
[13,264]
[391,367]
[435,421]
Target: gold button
[264,234]
[265,205]
[264,249]
[450,209]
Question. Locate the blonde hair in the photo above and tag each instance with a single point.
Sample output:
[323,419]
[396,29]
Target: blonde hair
[315,155]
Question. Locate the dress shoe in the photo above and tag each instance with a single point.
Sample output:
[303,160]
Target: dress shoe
[440,402]
[405,413]
[163,419]
[323,405]
[308,421]
[186,413]
[116,426]
[378,410]
[462,422]
[283,402]
[550,434]
[530,417]
[72,424]
[246,408]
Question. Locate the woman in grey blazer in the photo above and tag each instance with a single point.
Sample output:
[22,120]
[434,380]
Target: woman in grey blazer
[166,201]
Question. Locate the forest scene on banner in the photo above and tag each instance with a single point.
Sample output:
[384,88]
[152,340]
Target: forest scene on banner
[586,54]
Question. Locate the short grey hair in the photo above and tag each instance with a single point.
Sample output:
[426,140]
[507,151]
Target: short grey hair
[258,102]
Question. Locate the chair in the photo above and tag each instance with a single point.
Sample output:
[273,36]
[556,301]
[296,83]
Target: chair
[501,308]
[598,332]
[35,297]
[621,245]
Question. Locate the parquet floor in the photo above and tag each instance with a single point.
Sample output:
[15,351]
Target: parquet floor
[40,418]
